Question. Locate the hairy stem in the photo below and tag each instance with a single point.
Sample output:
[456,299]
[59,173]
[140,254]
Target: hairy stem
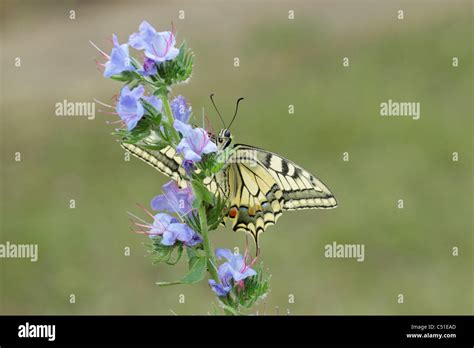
[211,262]
[169,114]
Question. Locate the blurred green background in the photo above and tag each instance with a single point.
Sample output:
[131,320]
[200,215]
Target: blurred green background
[407,251]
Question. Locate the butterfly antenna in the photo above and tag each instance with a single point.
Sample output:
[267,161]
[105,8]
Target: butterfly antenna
[215,107]
[236,110]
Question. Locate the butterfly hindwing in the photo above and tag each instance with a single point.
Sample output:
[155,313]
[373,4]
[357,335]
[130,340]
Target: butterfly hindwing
[256,198]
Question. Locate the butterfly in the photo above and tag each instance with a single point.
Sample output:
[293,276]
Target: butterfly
[258,184]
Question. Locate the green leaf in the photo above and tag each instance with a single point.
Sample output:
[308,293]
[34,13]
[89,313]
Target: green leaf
[193,220]
[191,252]
[125,76]
[150,109]
[164,253]
[215,213]
[197,271]
[194,254]
[168,130]
[178,257]
[161,91]
[201,192]
[133,84]
[156,147]
[256,288]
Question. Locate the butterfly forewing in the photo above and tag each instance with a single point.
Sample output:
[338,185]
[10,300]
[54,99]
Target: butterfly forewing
[301,189]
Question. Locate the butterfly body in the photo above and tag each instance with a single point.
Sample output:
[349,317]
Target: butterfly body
[258,184]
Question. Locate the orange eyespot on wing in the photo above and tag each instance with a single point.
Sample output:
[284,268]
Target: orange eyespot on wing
[233,212]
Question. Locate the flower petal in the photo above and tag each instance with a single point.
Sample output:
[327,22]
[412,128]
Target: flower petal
[190,155]
[160,202]
[155,102]
[131,123]
[183,128]
[184,233]
[226,253]
[180,109]
[138,92]
[119,59]
[140,40]
[210,147]
[219,289]
[249,272]
[169,238]
[195,240]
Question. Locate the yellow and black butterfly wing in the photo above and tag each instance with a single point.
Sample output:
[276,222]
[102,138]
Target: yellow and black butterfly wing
[301,189]
[166,161]
[255,198]
[261,184]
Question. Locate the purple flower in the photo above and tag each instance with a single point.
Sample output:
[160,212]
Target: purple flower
[188,166]
[236,265]
[172,230]
[129,107]
[119,59]
[195,142]
[158,46]
[155,102]
[180,109]
[221,289]
[236,269]
[149,67]
[174,199]
[140,40]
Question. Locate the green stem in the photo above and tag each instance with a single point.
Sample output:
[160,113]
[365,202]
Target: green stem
[211,261]
[169,114]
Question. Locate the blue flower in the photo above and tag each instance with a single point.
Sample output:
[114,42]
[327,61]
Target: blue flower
[158,46]
[119,60]
[188,166]
[195,142]
[149,67]
[174,199]
[235,269]
[129,107]
[172,230]
[180,109]
[140,40]
[155,102]
[223,288]
[236,265]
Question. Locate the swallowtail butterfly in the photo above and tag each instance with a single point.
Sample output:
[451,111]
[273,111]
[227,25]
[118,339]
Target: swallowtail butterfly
[258,184]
